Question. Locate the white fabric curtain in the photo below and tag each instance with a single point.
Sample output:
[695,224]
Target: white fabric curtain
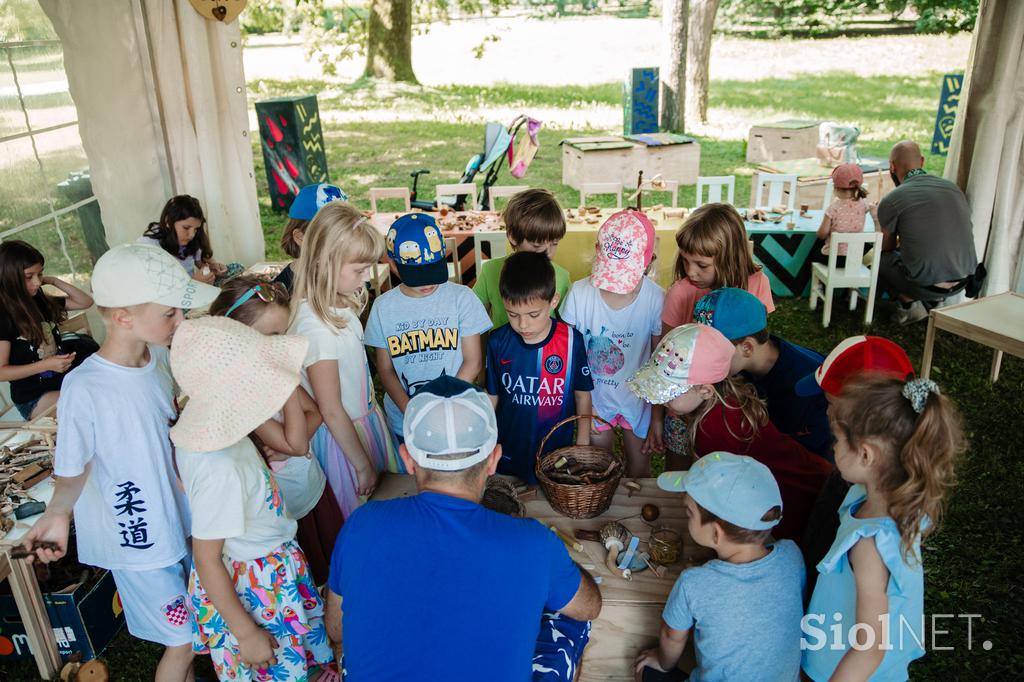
[161,100]
[986,154]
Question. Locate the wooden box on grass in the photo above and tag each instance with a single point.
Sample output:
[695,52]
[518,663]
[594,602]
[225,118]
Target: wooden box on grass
[782,140]
[84,618]
[618,159]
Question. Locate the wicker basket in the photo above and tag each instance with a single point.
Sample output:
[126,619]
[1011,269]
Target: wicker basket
[585,500]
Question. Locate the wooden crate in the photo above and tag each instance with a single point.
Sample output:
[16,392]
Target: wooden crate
[614,159]
[782,140]
[679,162]
[596,159]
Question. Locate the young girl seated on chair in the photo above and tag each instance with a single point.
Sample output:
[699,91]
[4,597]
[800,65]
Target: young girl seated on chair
[689,374]
[181,232]
[897,442]
[31,358]
[256,608]
[845,213]
[285,438]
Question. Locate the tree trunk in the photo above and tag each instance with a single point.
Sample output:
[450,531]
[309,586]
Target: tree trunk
[389,41]
[698,57]
[673,66]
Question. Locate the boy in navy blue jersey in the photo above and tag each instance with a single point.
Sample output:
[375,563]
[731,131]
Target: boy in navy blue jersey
[772,364]
[537,372]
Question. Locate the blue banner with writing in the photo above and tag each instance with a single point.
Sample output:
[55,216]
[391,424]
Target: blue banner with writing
[948,101]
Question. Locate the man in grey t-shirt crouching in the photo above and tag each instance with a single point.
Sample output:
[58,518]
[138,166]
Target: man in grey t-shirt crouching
[928,250]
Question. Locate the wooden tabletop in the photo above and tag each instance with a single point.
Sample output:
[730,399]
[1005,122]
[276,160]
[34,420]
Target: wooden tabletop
[631,615]
[1001,315]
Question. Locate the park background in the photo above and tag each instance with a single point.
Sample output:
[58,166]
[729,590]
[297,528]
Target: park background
[876,64]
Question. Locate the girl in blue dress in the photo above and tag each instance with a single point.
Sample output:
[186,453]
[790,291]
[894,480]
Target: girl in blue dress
[896,443]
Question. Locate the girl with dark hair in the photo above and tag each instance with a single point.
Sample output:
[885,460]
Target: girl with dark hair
[30,355]
[181,232]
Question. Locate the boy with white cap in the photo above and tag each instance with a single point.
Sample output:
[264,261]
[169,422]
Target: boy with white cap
[618,311]
[744,607]
[460,588]
[113,464]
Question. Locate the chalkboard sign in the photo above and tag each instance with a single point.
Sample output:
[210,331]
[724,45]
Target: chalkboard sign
[946,117]
[293,146]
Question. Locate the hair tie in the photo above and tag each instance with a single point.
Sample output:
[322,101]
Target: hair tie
[917,392]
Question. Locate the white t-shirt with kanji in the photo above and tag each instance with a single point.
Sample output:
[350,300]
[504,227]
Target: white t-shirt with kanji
[132,513]
[235,498]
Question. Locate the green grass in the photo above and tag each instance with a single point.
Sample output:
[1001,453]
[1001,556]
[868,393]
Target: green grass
[973,564]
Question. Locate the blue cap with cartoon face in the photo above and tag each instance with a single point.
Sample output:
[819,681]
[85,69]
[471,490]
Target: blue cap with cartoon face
[416,247]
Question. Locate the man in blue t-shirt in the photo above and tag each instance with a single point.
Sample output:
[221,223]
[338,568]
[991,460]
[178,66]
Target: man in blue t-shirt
[435,586]
[772,364]
[537,372]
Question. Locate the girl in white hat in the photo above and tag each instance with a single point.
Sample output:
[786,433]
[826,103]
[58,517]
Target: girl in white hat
[256,609]
[339,249]
[265,306]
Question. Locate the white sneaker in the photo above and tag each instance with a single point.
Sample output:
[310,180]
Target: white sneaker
[915,313]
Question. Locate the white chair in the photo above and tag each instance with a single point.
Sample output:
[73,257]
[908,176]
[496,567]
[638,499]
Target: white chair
[714,185]
[671,186]
[596,188]
[777,185]
[499,247]
[447,194]
[502,192]
[400,193]
[380,278]
[451,250]
[829,186]
[853,275]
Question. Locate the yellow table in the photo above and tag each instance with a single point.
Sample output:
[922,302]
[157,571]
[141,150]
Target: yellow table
[631,615]
[576,252]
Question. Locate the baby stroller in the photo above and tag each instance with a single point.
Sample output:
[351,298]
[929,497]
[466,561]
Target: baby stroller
[499,141]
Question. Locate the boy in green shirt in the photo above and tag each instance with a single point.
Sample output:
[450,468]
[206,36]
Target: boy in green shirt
[534,221]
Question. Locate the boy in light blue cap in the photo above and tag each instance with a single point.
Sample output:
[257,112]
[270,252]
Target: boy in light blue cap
[771,364]
[744,608]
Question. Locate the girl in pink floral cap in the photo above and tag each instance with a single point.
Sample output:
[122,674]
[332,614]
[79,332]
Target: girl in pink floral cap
[618,311]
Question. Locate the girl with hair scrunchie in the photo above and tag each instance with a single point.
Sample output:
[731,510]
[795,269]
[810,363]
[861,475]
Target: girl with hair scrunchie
[896,443]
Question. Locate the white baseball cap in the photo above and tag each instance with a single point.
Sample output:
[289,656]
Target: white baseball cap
[447,417]
[735,488]
[132,274]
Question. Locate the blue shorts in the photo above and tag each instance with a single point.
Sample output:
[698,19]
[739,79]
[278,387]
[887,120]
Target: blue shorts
[25,409]
[559,647]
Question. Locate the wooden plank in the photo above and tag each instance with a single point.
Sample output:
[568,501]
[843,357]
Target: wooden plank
[33,614]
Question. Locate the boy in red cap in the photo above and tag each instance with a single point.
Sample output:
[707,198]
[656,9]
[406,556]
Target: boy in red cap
[845,213]
[852,358]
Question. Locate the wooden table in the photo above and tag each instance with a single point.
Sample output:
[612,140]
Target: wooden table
[27,596]
[491,222]
[995,321]
[786,253]
[630,618]
[576,251]
[812,178]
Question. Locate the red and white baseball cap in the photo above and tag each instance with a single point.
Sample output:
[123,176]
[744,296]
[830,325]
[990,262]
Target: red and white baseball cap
[625,247]
[853,356]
